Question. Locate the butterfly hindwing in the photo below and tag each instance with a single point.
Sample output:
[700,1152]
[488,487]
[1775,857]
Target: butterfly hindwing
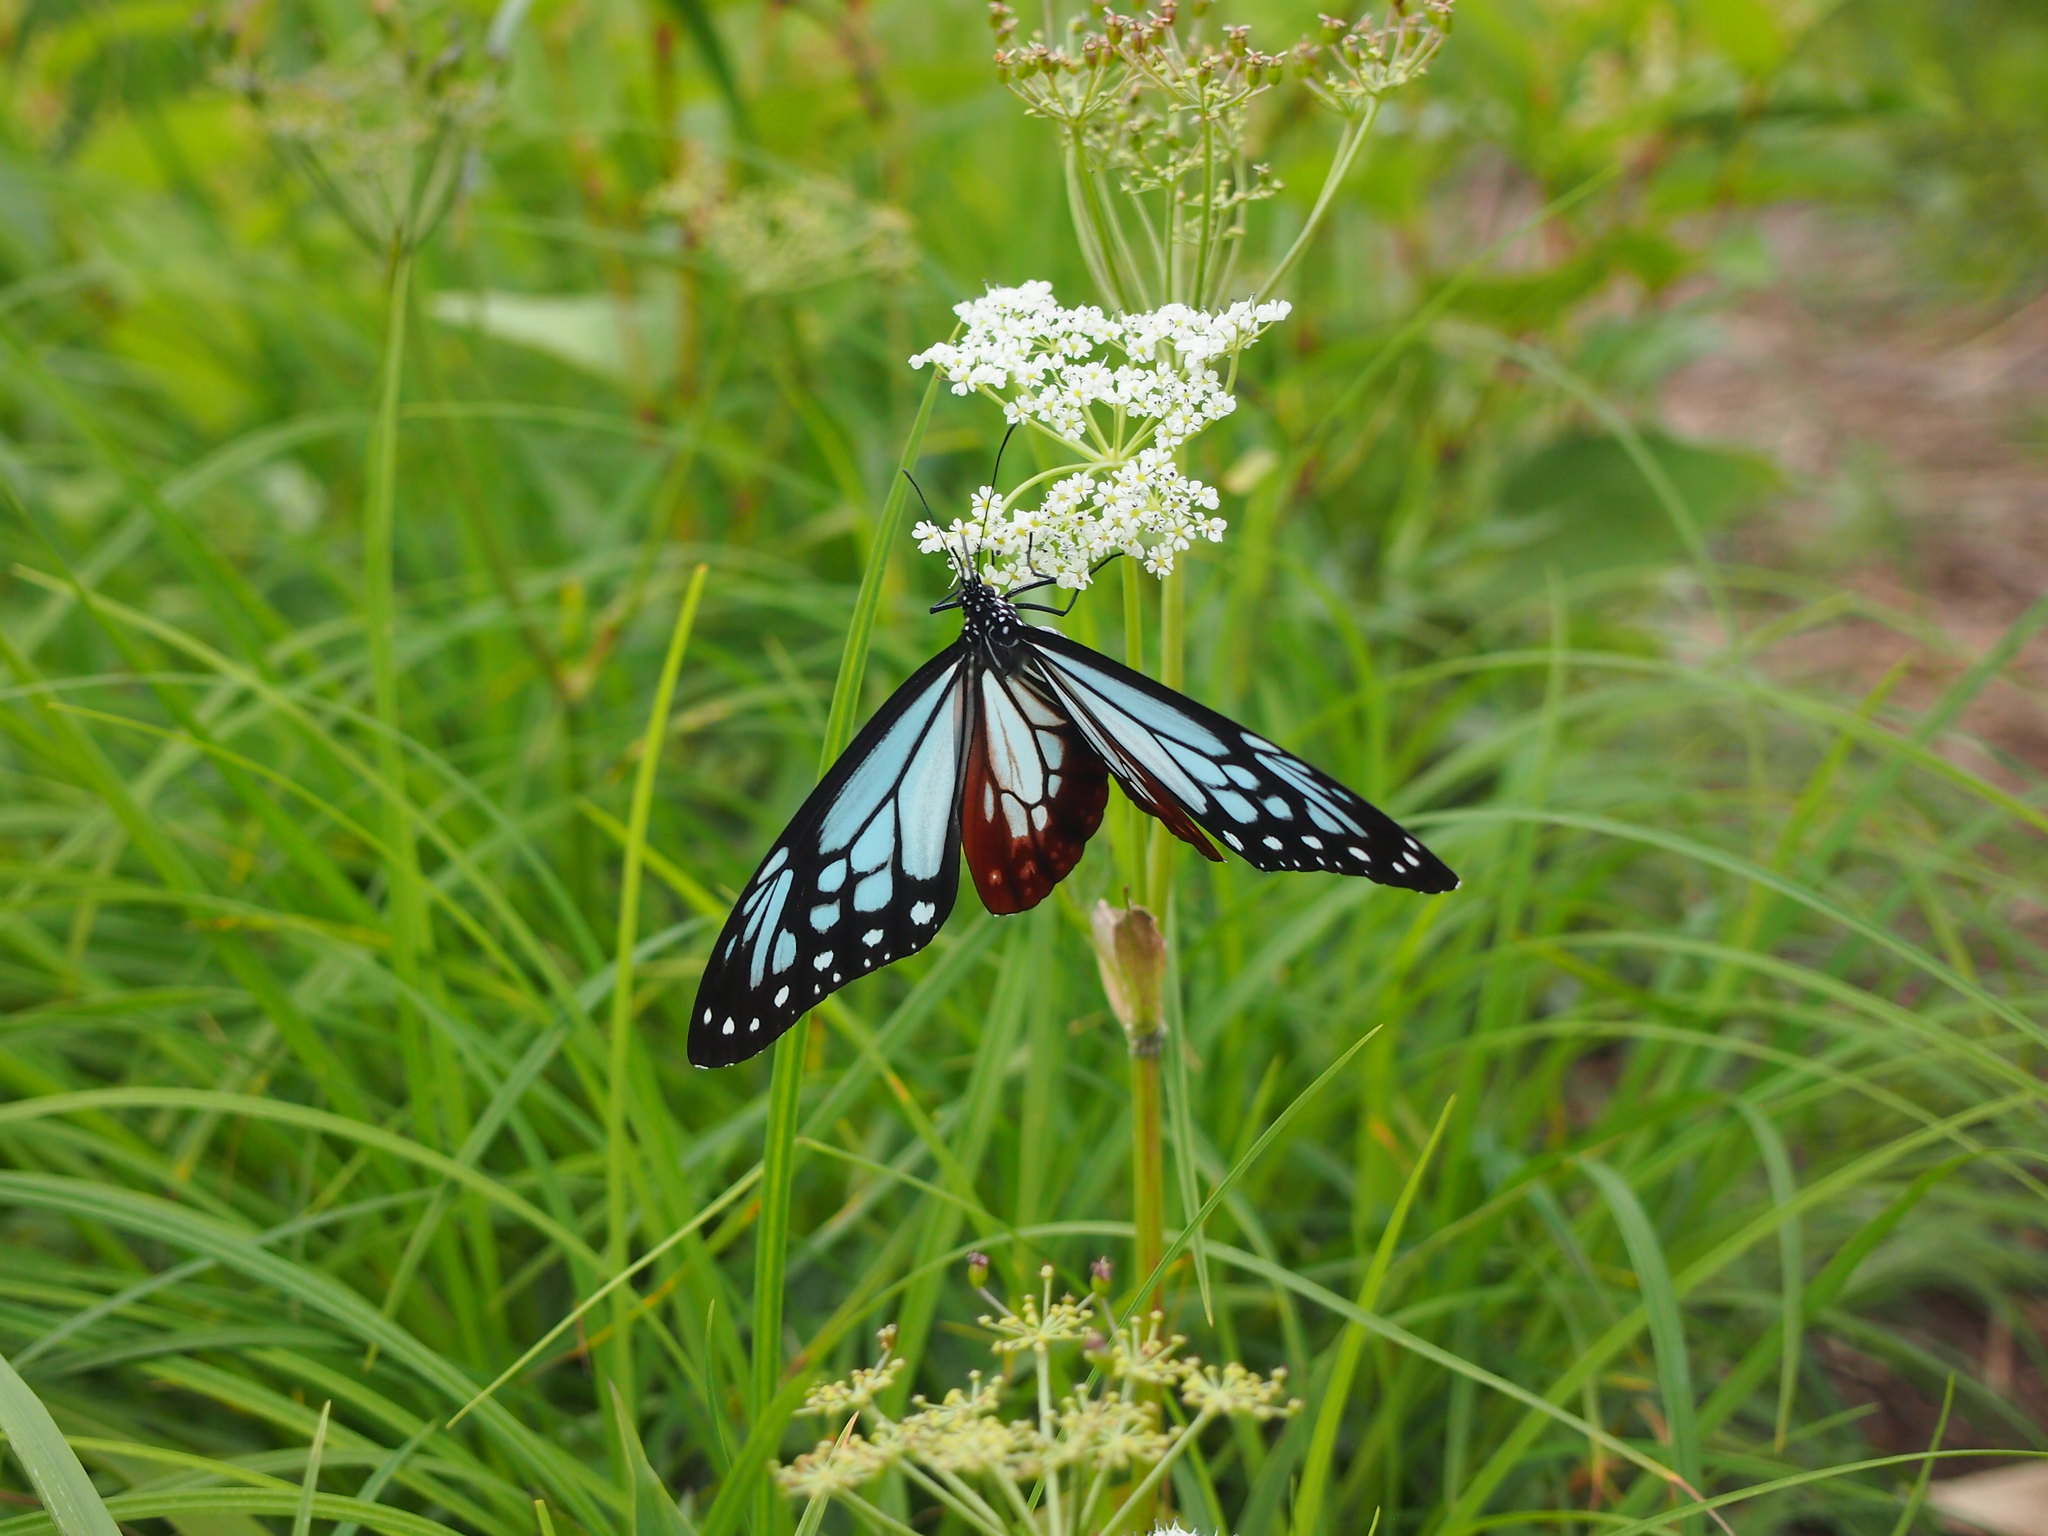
[865,873]
[1033,793]
[1272,809]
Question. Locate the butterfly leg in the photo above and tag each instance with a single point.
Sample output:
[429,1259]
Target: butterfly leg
[1071,600]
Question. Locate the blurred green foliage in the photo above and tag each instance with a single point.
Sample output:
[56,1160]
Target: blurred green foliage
[1737,1007]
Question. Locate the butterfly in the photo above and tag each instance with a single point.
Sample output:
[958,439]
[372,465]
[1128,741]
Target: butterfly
[1002,746]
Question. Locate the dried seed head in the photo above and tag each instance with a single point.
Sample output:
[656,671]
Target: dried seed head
[1100,1274]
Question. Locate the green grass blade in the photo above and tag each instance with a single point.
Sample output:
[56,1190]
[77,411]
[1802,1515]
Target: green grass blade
[1315,1473]
[53,1467]
[302,1517]
[1665,1321]
[619,1151]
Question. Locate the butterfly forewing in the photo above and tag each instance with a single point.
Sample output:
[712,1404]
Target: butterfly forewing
[1271,808]
[865,873]
[1033,794]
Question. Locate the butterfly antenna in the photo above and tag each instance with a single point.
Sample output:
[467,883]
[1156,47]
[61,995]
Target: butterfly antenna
[995,476]
[920,492]
[953,556]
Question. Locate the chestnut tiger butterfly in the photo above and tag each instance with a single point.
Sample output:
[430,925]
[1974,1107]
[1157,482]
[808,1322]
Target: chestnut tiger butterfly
[1002,746]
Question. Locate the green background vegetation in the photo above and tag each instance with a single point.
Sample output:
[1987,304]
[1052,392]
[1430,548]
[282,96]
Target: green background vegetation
[306,1091]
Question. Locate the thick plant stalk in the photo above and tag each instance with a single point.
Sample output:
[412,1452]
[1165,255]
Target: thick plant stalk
[1130,950]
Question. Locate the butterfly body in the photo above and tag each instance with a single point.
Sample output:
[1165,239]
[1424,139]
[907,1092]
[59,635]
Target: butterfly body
[1002,746]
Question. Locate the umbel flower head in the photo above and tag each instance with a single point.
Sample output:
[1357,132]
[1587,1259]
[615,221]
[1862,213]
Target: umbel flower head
[1077,1462]
[1120,394]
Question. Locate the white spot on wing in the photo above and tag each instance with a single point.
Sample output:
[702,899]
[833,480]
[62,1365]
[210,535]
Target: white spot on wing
[872,894]
[824,959]
[781,996]
[1273,842]
[922,912]
[871,938]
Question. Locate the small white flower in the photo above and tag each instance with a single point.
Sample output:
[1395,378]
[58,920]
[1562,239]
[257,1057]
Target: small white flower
[1125,391]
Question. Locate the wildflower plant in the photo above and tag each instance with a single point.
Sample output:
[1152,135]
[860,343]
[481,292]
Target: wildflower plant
[1120,394]
[384,131]
[1082,1458]
[1159,118]
[1155,113]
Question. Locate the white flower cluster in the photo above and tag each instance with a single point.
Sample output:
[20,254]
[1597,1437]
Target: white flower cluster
[1124,392]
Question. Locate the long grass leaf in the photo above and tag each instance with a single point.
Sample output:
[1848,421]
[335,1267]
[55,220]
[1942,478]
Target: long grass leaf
[1315,1474]
[53,1467]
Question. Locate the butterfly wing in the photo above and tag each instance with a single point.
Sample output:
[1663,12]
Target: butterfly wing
[1272,809]
[865,873]
[1033,794]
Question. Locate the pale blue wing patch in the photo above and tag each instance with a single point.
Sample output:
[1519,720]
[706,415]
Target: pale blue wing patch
[864,874]
[1269,806]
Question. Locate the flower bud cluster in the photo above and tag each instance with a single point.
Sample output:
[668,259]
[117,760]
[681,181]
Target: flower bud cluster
[1365,61]
[383,136]
[1111,1427]
[1107,59]
[1122,391]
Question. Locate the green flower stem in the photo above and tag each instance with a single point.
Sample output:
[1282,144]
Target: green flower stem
[786,1084]
[1140,1499]
[1148,1159]
[618,1149]
[404,906]
[1348,147]
[1046,1426]
[1086,232]
[877,1518]
[1148,1155]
